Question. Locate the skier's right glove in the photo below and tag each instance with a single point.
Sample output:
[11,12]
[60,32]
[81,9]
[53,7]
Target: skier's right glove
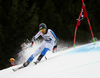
[33,39]
[31,44]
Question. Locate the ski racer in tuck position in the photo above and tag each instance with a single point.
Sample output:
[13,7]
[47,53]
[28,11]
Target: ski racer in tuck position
[49,41]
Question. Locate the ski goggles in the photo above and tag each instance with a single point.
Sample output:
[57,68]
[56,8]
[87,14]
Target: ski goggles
[42,30]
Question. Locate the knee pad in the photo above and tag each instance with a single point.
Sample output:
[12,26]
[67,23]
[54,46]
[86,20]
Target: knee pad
[44,51]
[30,58]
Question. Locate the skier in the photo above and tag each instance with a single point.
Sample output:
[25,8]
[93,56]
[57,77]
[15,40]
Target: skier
[49,39]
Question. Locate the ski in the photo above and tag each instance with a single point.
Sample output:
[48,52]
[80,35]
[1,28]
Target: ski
[18,68]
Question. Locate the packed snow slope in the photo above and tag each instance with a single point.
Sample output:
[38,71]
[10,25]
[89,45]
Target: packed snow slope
[81,62]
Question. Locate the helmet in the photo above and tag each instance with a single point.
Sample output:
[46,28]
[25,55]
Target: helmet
[42,26]
[11,59]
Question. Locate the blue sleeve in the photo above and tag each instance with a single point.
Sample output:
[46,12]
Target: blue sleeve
[53,34]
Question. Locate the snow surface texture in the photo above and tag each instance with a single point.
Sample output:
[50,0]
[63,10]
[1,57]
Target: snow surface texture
[81,62]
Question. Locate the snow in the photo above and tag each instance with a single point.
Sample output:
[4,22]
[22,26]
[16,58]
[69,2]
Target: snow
[80,62]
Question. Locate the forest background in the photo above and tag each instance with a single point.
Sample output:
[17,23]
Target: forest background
[19,20]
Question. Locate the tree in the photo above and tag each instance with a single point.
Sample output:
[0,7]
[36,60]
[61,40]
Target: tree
[18,22]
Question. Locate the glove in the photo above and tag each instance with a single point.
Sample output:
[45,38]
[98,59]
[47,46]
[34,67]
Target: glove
[32,43]
[33,39]
[54,49]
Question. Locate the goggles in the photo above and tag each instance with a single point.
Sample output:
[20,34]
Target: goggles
[42,30]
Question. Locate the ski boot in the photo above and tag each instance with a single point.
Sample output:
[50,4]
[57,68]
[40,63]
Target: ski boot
[39,59]
[26,63]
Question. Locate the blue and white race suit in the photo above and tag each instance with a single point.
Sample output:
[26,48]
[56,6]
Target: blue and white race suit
[48,43]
